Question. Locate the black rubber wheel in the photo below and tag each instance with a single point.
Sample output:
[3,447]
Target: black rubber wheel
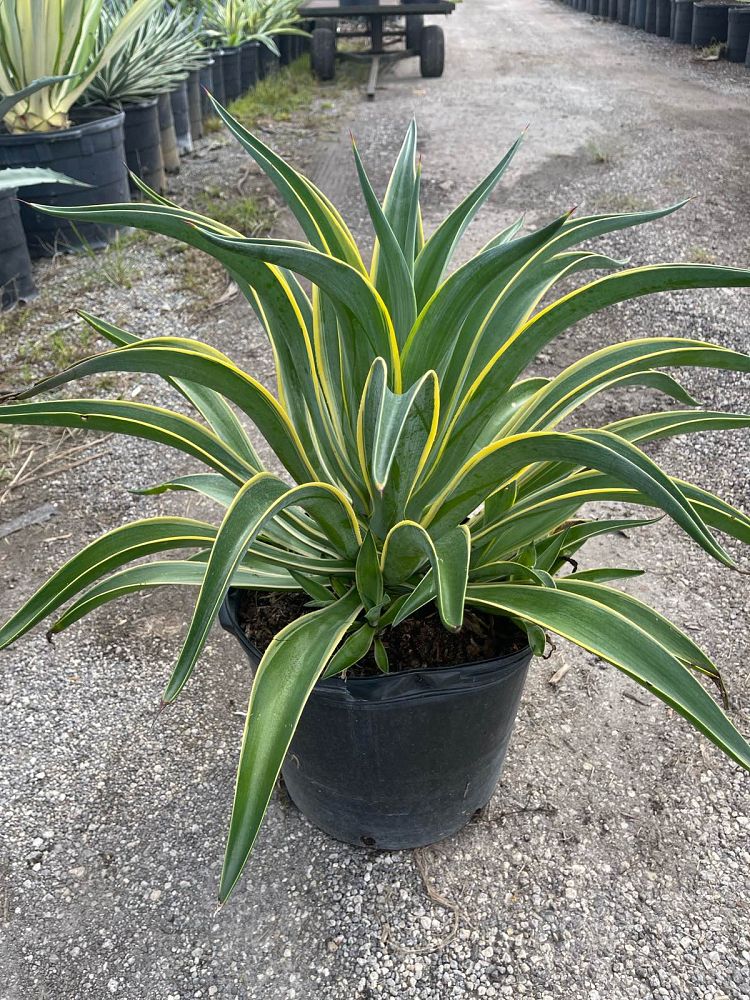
[414,25]
[323,53]
[431,51]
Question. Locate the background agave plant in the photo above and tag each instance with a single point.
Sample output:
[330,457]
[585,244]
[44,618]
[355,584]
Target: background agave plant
[56,38]
[155,58]
[232,22]
[421,463]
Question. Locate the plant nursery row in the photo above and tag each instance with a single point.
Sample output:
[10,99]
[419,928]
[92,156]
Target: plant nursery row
[114,107]
[721,23]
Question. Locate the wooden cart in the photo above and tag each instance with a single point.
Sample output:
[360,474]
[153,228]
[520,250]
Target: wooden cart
[386,25]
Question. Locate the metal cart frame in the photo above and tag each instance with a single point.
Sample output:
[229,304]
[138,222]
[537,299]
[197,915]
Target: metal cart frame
[379,29]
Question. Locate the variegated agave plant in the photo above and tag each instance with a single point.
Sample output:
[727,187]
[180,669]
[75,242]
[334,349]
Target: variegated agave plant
[422,463]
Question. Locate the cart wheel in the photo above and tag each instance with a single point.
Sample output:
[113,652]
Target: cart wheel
[323,53]
[414,25]
[431,50]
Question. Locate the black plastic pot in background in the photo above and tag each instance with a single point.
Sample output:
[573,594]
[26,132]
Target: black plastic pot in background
[650,23]
[404,759]
[640,14]
[623,11]
[738,34]
[16,282]
[633,6]
[663,18]
[249,65]
[710,24]
[217,79]
[143,144]
[93,151]
[612,11]
[170,153]
[268,62]
[207,87]
[682,22]
[284,43]
[230,66]
[181,117]
[195,105]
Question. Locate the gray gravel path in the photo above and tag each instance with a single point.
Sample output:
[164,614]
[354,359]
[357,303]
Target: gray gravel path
[613,861]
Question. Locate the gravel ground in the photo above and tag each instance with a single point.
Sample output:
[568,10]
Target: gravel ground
[612,862]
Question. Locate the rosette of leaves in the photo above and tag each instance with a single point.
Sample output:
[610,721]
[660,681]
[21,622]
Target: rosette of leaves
[232,22]
[156,58]
[56,39]
[422,463]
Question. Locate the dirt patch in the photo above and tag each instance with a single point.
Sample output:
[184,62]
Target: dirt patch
[421,642]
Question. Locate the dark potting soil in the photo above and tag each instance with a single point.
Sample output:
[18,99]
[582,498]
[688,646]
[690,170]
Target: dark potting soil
[419,642]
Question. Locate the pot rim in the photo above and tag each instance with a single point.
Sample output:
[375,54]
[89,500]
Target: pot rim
[106,118]
[369,689]
[142,102]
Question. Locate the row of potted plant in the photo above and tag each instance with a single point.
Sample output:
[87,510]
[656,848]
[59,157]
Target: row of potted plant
[122,91]
[700,23]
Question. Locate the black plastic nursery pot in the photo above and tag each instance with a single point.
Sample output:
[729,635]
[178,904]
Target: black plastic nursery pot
[738,34]
[710,24]
[16,282]
[650,21]
[92,150]
[682,21]
[623,11]
[612,10]
[403,759]
[143,144]
[217,79]
[249,57]
[230,65]
[195,104]
[181,117]
[286,49]
[170,153]
[663,18]
[640,14]
[207,87]
[268,62]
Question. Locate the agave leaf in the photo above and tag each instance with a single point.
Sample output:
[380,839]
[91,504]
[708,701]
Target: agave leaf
[438,251]
[164,573]
[27,176]
[620,641]
[152,423]
[400,206]
[580,380]
[394,436]
[107,553]
[393,279]
[257,503]
[353,649]
[168,358]
[320,222]
[670,423]
[498,463]
[214,409]
[369,577]
[286,675]
[408,545]
[434,335]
